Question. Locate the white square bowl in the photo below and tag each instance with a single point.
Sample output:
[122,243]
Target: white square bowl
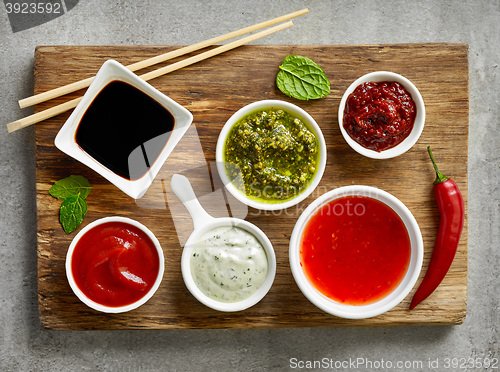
[66,138]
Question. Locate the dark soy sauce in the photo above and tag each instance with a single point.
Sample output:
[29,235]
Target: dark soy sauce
[125,130]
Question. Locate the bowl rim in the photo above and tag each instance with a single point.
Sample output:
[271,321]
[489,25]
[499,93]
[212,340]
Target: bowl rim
[418,125]
[111,309]
[391,300]
[112,70]
[248,109]
[195,237]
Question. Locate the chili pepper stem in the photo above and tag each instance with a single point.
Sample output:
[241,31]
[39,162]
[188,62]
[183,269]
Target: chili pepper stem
[440,178]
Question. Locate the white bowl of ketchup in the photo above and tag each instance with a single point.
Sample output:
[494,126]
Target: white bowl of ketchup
[114,264]
[356,252]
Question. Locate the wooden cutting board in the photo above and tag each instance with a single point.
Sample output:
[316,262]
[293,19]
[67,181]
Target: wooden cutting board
[213,90]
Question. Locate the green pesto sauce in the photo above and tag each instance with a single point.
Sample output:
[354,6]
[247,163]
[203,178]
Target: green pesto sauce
[276,153]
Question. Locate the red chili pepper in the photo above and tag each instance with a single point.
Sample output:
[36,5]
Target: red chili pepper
[451,207]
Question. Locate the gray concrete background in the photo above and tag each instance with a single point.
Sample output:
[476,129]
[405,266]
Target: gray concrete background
[24,346]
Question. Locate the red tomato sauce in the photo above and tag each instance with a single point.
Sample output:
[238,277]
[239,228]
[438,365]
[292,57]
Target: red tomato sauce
[379,115]
[355,250]
[115,264]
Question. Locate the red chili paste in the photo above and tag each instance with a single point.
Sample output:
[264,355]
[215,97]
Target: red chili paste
[355,250]
[115,264]
[379,115]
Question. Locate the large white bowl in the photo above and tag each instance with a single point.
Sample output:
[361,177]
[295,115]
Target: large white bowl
[418,125]
[114,71]
[111,309]
[248,109]
[391,300]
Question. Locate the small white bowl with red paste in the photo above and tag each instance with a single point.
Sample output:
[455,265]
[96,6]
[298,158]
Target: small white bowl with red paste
[114,264]
[381,115]
[356,252]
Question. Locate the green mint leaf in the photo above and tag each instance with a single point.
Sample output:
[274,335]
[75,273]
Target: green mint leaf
[70,186]
[300,77]
[73,210]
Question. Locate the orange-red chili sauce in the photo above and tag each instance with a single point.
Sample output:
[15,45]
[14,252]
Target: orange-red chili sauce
[115,264]
[355,250]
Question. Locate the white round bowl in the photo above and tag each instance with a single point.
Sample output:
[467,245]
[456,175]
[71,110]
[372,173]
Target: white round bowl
[204,223]
[418,125]
[259,105]
[188,252]
[111,309]
[358,311]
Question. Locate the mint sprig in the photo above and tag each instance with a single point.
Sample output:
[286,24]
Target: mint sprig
[70,186]
[302,78]
[73,190]
[73,210]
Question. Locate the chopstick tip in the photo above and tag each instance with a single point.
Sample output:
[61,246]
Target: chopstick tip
[12,127]
[22,104]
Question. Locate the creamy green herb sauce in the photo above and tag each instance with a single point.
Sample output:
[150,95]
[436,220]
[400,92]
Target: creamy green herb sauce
[276,153]
[228,264]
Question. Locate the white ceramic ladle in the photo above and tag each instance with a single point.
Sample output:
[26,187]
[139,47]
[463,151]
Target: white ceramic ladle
[203,223]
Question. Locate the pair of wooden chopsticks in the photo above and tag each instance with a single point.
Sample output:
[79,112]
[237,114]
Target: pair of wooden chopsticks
[56,110]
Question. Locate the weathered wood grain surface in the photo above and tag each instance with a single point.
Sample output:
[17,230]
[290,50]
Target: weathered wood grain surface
[212,90]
